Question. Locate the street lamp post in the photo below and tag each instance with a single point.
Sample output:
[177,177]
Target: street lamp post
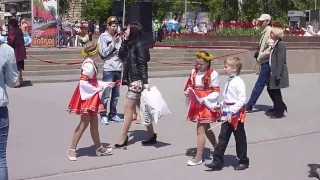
[124,13]
[185,11]
[315,4]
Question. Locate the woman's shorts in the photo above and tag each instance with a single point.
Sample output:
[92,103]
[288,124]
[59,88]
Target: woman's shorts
[20,65]
[134,90]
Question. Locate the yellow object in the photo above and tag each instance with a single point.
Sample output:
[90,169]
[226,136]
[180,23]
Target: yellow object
[86,54]
[204,56]
[84,39]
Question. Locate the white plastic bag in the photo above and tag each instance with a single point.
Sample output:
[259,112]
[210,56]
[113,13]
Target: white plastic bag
[152,106]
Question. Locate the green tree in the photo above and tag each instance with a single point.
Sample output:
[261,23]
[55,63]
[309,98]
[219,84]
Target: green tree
[64,6]
[302,5]
[251,9]
[215,10]
[97,9]
[160,9]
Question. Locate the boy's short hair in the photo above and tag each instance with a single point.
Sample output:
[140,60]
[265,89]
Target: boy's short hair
[234,61]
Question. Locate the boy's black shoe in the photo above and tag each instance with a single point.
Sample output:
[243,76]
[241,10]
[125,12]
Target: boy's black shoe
[241,167]
[214,166]
[249,109]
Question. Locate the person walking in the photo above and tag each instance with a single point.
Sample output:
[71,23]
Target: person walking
[279,76]
[9,77]
[135,54]
[262,57]
[16,41]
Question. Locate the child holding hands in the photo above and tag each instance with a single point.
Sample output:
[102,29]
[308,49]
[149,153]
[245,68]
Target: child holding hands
[233,114]
[204,83]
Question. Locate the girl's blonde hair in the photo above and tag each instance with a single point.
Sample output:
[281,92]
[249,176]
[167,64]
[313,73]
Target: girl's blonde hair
[90,49]
[234,61]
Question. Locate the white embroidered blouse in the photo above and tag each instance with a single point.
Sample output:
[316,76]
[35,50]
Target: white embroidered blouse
[234,93]
[212,99]
[87,90]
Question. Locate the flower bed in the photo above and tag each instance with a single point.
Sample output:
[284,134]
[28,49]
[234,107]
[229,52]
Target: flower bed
[45,37]
[231,29]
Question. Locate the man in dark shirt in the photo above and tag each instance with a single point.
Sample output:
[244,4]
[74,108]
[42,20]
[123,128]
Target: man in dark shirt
[90,29]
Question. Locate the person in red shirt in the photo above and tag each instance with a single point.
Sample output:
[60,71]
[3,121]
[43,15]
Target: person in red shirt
[16,41]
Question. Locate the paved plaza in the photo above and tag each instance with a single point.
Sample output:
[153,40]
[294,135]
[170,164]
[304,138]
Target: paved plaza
[279,149]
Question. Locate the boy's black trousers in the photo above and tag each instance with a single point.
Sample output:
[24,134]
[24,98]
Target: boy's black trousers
[241,143]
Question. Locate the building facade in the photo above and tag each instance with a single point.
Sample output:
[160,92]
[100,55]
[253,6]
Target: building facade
[22,8]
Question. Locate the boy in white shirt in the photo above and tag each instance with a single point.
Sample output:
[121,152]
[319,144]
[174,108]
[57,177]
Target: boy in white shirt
[233,113]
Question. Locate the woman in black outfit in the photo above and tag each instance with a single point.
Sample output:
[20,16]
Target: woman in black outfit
[279,76]
[135,54]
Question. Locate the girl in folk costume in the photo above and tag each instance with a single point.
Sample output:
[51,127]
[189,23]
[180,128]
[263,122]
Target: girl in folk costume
[204,84]
[233,116]
[86,102]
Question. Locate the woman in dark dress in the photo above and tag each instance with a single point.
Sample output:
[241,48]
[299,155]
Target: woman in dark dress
[279,76]
[16,41]
[134,52]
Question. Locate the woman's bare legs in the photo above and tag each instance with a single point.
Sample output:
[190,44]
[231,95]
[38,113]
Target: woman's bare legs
[211,136]
[84,122]
[138,114]
[201,141]
[129,106]
[94,130]
[20,76]
[19,80]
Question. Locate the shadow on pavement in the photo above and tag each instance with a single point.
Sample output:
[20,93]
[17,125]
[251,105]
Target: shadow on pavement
[229,160]
[140,135]
[26,83]
[261,107]
[191,152]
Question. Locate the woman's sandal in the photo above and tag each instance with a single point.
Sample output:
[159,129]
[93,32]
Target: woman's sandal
[106,153]
[72,158]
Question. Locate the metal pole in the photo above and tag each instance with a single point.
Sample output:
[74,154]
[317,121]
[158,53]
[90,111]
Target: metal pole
[32,21]
[58,24]
[185,11]
[123,13]
[315,4]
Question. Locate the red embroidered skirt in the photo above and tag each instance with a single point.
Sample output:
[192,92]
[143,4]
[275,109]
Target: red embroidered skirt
[199,112]
[90,106]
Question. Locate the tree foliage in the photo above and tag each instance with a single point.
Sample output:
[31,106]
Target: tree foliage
[64,6]
[226,10]
[97,9]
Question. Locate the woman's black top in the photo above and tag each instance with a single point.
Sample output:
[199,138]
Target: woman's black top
[135,56]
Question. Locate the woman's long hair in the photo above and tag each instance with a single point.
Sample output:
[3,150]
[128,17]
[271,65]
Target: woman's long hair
[135,32]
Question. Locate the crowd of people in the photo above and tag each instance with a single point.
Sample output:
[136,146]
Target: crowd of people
[126,58]
[127,55]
